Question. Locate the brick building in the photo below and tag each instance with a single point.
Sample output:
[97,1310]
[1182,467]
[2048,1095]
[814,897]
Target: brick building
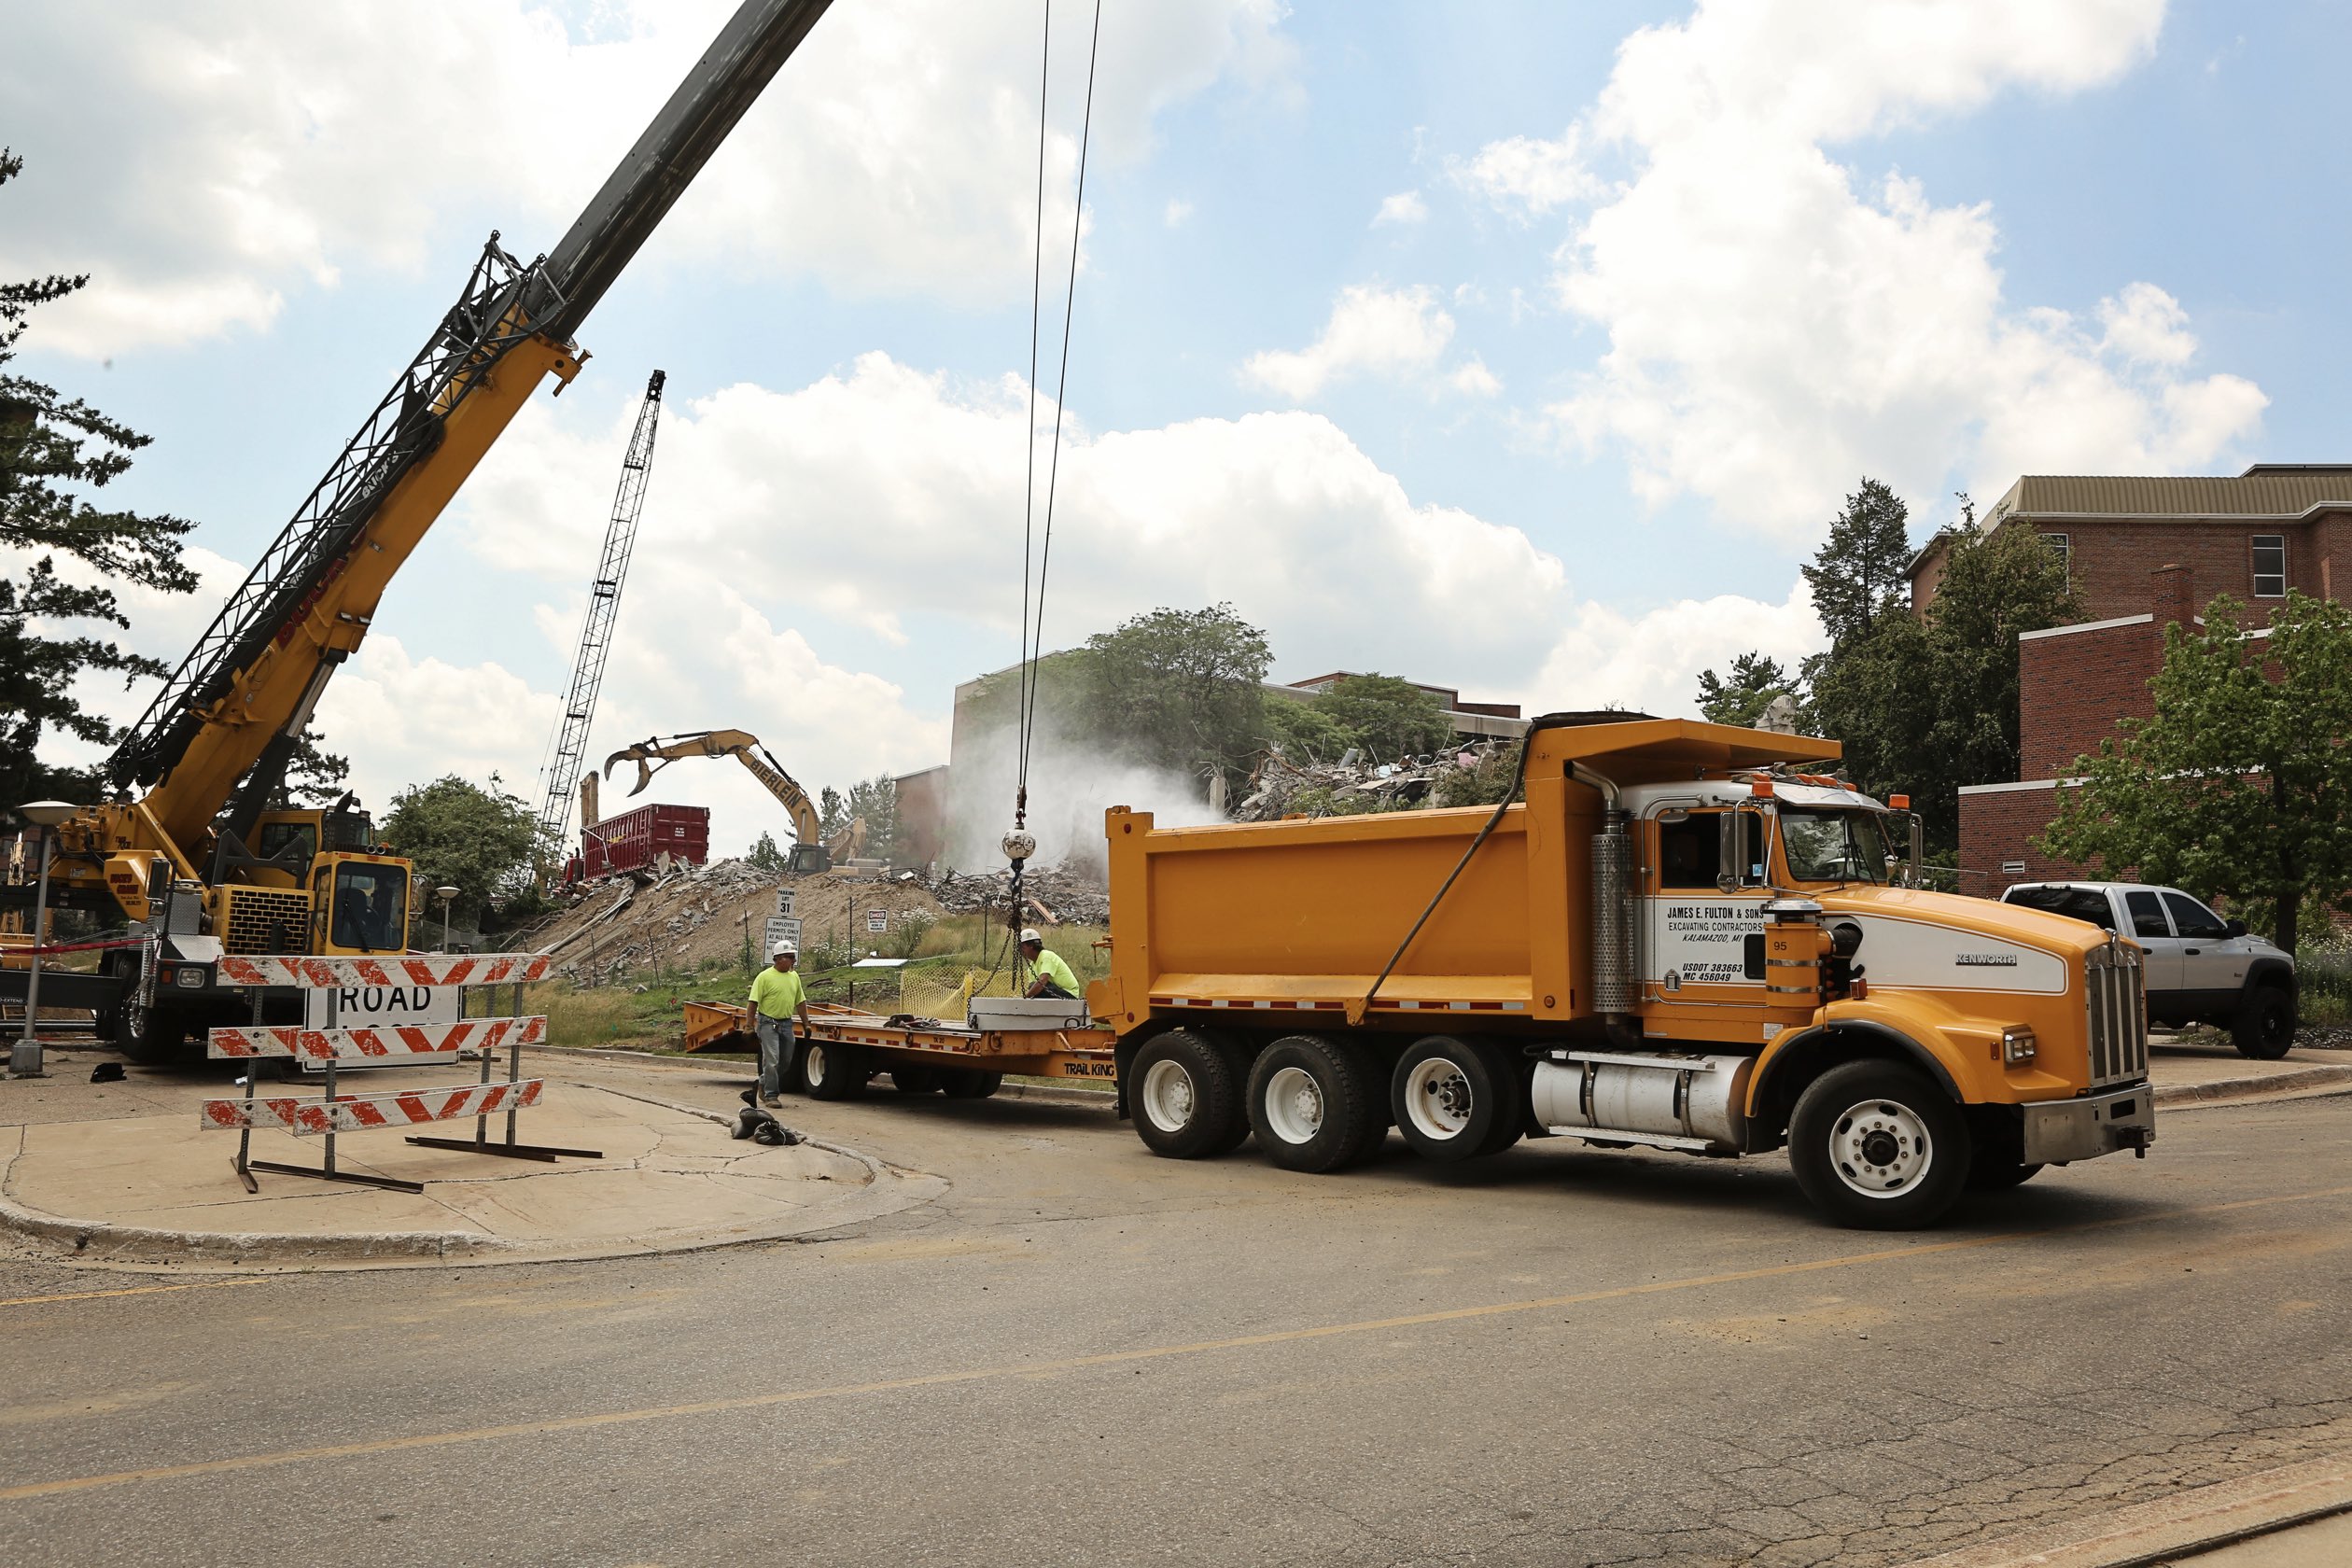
[2144,552]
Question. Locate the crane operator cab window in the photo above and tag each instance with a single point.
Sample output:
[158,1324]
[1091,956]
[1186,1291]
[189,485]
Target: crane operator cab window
[369,908]
[277,837]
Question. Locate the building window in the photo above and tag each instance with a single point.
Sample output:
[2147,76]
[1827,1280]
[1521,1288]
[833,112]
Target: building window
[2269,565]
[2062,546]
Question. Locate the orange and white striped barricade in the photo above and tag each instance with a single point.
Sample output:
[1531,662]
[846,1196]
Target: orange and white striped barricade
[416,1043]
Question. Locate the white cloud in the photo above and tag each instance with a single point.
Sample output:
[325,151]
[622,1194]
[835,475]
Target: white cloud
[1177,213]
[1405,207]
[1650,662]
[1778,322]
[1526,173]
[1372,331]
[1472,379]
[204,161]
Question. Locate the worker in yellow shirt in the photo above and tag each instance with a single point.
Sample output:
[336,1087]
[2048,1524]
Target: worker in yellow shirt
[779,998]
[1045,973]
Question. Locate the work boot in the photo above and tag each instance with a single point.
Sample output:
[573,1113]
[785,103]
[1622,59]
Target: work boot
[771,1101]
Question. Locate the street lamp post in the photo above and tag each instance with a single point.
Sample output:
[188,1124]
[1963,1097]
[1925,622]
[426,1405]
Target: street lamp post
[24,1058]
[445,894]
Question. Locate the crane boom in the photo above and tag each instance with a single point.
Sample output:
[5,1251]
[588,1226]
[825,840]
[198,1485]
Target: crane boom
[596,630]
[225,709]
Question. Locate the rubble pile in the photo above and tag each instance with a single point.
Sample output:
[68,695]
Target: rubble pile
[1280,788]
[1052,895]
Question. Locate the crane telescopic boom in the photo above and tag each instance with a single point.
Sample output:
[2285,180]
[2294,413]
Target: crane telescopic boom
[595,629]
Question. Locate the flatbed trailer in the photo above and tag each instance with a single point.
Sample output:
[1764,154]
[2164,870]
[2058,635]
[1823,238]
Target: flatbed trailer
[844,1048]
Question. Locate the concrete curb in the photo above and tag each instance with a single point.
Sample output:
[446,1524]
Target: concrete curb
[2173,1527]
[2268,1085]
[99,1243]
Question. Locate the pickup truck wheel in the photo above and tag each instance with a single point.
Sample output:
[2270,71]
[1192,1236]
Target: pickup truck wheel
[969,1083]
[2264,1027]
[829,1069]
[1878,1146]
[1455,1099]
[1187,1097]
[1315,1103]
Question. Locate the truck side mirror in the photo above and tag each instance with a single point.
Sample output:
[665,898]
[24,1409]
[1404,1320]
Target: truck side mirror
[1728,850]
[2236,928]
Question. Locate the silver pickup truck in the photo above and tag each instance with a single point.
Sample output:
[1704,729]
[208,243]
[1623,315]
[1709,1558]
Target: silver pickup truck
[2201,968]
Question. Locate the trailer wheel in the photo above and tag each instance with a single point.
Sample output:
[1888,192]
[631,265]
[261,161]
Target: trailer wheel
[1186,1094]
[969,1083]
[1455,1099]
[1315,1104]
[917,1080]
[829,1069]
[1878,1146]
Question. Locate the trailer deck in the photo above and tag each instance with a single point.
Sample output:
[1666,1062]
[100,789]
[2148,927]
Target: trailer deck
[883,1041]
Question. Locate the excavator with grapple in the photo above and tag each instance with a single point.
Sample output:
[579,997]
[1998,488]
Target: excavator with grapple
[189,853]
[813,852]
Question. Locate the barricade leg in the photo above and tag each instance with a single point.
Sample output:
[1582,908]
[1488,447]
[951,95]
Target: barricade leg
[244,1134]
[510,1149]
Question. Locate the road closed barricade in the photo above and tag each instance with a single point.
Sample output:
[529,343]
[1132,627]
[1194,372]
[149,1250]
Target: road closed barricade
[420,1043]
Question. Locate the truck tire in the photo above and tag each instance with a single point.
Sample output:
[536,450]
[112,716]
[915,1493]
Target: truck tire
[147,1036]
[1878,1146]
[1188,1095]
[1315,1104]
[829,1069]
[1455,1099]
[2263,1028]
[969,1083]
[916,1080]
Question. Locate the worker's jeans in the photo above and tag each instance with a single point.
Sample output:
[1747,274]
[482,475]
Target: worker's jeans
[775,1053]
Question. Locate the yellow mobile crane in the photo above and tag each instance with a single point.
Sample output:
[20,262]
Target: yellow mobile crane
[814,852]
[189,853]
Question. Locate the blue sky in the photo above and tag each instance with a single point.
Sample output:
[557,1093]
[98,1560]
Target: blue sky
[1526,347]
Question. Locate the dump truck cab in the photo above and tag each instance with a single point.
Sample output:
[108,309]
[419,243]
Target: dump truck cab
[1688,936]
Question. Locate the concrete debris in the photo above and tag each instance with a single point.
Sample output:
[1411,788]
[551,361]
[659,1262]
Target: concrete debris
[1280,788]
[1051,895]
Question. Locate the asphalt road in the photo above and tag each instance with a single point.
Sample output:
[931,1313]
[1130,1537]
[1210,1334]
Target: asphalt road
[1082,1354]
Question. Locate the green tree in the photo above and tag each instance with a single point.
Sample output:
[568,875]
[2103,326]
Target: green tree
[1859,576]
[1304,730]
[1742,696]
[1388,717]
[1925,707]
[52,449]
[875,799]
[1180,688]
[462,835]
[2240,787]
[314,774]
[764,855]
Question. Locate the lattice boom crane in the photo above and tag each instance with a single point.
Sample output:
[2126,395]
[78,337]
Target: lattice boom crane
[595,629]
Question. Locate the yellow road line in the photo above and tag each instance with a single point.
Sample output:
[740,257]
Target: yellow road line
[1106,1358]
[129,1290]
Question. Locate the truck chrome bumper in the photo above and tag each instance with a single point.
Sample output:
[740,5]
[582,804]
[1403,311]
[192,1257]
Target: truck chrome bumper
[2057,1131]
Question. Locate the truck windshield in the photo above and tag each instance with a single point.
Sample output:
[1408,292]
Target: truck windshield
[1834,845]
[370,908]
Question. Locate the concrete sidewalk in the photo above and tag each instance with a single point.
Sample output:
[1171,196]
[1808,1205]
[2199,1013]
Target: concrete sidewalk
[2187,1075]
[122,1175]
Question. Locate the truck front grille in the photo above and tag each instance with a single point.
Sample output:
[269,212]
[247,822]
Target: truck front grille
[267,921]
[2119,1015]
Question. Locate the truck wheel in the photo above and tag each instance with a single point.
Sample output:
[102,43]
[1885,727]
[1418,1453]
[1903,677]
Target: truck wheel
[969,1083]
[916,1080]
[1455,1099]
[147,1036]
[1188,1095]
[1878,1146]
[2264,1027]
[1314,1103]
[831,1070]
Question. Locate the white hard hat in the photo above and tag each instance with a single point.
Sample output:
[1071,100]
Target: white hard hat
[1029,934]
[782,949]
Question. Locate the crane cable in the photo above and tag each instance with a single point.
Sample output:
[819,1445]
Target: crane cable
[1018,845]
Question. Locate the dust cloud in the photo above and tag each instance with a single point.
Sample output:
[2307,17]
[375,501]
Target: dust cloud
[1069,787]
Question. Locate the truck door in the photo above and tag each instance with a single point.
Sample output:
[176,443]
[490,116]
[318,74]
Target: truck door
[2212,966]
[1701,944]
[2149,929]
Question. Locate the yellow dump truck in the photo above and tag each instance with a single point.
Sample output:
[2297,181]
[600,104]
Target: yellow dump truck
[1687,937]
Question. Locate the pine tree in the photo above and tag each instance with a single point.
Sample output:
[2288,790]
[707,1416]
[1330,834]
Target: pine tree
[1860,574]
[51,448]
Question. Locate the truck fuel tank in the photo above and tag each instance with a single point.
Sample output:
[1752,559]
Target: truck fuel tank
[1670,1101]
